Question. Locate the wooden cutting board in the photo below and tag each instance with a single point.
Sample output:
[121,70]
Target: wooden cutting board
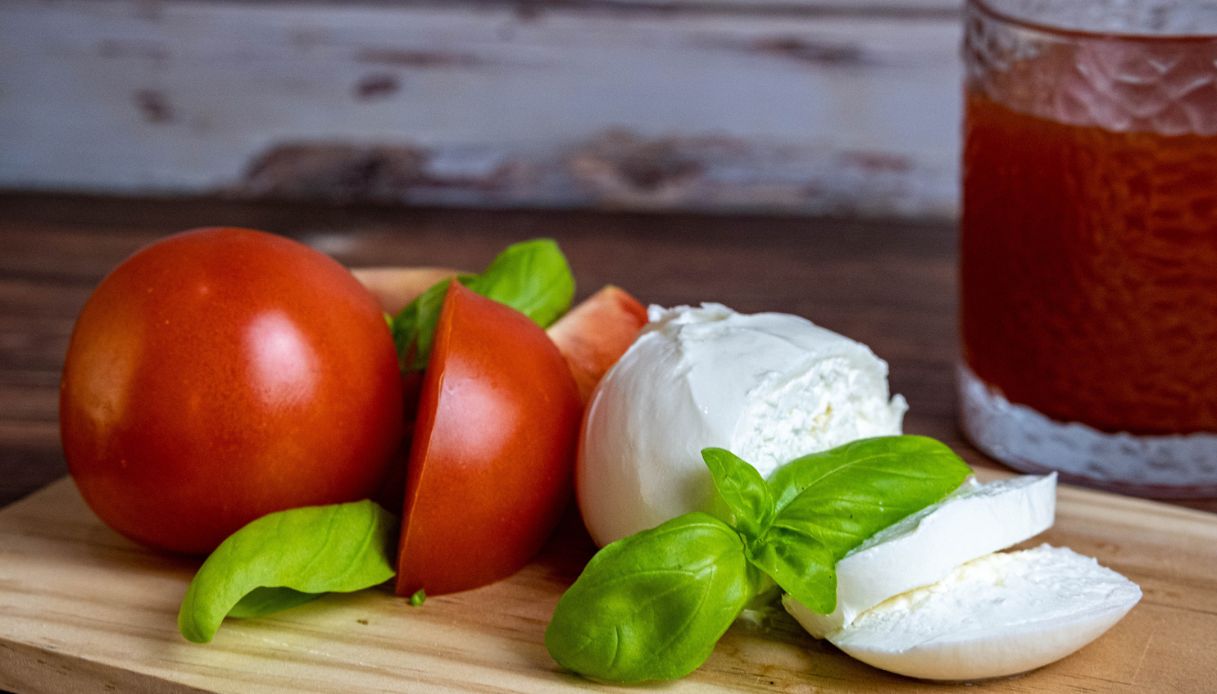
[82,609]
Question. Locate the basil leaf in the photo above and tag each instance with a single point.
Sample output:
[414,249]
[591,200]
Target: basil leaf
[414,327]
[263,601]
[743,490]
[800,564]
[830,502]
[317,549]
[532,277]
[651,606]
[890,455]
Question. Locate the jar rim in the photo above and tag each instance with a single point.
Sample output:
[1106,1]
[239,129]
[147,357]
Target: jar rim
[1008,15]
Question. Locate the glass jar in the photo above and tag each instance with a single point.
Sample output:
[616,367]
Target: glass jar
[1088,254]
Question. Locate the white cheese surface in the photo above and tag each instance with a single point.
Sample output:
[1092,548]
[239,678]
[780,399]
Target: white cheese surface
[998,615]
[769,387]
[928,545]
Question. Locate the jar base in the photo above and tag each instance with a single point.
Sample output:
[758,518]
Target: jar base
[1165,467]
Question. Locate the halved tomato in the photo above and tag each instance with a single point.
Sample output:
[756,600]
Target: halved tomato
[490,465]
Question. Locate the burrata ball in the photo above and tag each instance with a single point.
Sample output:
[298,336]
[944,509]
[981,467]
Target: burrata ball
[769,387]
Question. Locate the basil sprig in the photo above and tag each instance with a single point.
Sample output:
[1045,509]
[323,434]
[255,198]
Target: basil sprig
[653,605]
[532,277]
[830,502]
[288,558]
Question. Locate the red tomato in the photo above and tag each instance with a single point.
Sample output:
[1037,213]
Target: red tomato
[221,374]
[490,465]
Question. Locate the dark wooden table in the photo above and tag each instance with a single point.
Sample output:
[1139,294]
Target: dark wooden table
[888,284]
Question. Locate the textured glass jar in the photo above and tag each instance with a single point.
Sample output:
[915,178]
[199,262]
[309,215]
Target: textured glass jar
[1088,249]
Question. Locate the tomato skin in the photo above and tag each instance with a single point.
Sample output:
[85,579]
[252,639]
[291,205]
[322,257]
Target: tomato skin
[221,374]
[493,450]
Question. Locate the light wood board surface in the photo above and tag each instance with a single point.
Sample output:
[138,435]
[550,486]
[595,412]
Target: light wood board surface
[82,609]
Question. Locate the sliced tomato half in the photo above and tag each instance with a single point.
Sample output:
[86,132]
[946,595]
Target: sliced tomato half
[489,470]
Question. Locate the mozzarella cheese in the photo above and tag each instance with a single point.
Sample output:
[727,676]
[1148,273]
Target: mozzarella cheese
[998,615]
[769,387]
[926,546]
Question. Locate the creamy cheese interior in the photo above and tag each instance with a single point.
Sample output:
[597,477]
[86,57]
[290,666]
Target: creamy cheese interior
[928,545]
[819,405]
[998,615]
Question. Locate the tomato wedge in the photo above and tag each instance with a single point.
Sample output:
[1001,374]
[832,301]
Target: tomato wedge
[594,334]
[489,470]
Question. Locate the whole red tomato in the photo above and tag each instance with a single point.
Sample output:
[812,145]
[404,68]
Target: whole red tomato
[221,374]
[491,460]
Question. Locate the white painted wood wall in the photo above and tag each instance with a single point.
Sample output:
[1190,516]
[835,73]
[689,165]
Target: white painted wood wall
[823,106]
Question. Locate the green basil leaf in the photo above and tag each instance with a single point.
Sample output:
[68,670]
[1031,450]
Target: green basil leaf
[903,463]
[263,601]
[414,327]
[653,605]
[317,549]
[800,564]
[742,490]
[532,277]
[830,502]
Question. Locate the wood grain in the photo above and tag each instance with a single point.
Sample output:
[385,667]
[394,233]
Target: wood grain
[794,105]
[83,610]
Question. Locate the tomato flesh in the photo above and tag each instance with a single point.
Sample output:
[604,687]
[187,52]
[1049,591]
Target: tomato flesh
[222,374]
[490,464]
[594,334]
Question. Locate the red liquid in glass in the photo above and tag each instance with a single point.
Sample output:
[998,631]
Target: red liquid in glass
[1089,270]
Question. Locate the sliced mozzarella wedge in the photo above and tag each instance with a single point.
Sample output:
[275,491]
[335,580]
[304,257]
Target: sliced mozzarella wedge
[998,615]
[928,545]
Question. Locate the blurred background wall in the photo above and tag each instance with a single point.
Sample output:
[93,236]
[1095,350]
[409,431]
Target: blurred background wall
[785,106]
